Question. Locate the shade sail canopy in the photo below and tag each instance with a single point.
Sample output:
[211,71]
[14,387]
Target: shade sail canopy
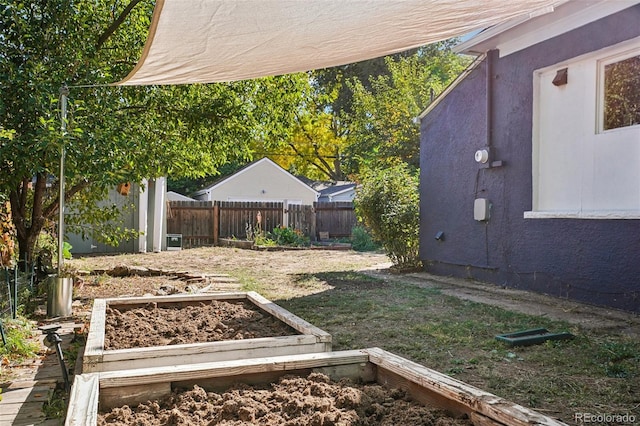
[205,41]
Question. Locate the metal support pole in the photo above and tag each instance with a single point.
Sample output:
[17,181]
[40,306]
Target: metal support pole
[4,336]
[64,92]
[9,292]
[15,293]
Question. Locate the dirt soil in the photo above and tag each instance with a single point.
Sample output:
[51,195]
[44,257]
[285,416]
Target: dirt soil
[311,401]
[154,325]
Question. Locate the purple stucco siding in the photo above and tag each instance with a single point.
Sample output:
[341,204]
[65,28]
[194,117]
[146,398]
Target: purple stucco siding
[589,260]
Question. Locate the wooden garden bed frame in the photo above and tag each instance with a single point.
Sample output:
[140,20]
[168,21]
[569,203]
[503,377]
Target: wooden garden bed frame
[96,358]
[114,389]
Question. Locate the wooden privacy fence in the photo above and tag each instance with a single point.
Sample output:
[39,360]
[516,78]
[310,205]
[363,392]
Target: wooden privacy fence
[204,222]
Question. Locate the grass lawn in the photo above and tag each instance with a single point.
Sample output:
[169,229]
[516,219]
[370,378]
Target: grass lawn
[589,374]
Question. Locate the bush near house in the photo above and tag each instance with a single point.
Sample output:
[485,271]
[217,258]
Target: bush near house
[387,203]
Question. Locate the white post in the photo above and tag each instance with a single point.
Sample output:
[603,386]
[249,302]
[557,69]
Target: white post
[64,92]
[143,208]
[160,191]
[285,213]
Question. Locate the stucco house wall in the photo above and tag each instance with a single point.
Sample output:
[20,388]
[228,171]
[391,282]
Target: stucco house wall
[262,180]
[594,260]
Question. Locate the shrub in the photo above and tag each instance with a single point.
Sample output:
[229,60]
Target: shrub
[289,237]
[388,204]
[361,240]
[263,241]
[19,346]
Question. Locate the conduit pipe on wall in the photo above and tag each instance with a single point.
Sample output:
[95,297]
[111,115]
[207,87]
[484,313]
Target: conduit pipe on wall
[489,89]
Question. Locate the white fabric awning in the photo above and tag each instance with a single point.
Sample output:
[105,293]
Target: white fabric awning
[205,41]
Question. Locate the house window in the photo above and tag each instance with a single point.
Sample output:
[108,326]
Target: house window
[586,137]
[621,93]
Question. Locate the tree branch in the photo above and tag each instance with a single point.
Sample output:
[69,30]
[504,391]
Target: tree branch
[116,24]
[51,209]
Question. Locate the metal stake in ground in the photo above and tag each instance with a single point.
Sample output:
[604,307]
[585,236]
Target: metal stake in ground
[54,338]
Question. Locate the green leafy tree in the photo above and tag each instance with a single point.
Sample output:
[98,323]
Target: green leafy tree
[114,134]
[312,145]
[360,114]
[387,203]
[382,124]
[334,80]
[320,136]
[316,143]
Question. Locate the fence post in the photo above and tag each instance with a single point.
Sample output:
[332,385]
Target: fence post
[216,223]
[285,213]
[15,292]
[312,226]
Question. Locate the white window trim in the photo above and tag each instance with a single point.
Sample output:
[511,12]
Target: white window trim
[608,55]
[623,214]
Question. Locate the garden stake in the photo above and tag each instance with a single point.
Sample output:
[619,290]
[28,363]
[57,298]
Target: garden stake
[54,338]
[4,337]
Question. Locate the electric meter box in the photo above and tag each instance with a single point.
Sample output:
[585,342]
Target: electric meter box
[481,208]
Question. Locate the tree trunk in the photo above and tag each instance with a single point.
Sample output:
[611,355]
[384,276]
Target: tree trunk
[28,229]
[41,208]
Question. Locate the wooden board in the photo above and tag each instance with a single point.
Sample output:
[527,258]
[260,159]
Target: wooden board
[427,386]
[97,358]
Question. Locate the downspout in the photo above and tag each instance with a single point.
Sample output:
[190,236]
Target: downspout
[489,88]
[489,136]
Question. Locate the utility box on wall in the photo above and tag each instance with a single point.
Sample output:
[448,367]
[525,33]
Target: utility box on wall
[481,209]
[174,242]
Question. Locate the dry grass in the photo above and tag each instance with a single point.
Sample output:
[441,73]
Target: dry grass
[272,273]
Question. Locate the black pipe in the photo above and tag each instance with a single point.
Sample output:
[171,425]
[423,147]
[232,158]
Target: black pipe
[54,338]
[489,88]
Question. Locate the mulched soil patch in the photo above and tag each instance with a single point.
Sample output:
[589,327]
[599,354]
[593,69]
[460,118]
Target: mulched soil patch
[154,325]
[293,401]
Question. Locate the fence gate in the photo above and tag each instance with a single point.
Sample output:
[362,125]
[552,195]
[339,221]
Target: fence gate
[336,218]
[194,220]
[303,218]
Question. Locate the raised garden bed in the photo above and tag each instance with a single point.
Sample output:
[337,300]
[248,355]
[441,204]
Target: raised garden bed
[407,389]
[137,332]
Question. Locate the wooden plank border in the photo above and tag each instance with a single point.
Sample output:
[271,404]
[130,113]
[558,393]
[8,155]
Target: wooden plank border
[437,387]
[373,364]
[96,358]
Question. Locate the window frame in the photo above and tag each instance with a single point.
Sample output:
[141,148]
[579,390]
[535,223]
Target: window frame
[600,101]
[599,59]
